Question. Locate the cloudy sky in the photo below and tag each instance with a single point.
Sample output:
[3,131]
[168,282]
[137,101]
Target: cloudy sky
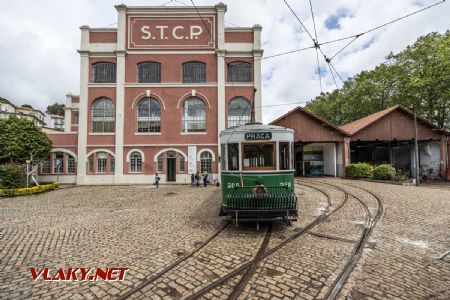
[38,41]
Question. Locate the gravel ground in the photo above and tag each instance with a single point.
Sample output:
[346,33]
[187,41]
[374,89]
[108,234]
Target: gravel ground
[145,230]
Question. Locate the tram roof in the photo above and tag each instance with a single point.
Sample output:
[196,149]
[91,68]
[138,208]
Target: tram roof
[255,127]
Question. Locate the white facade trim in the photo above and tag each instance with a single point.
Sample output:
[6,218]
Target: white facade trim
[100,150]
[147,133]
[148,93]
[65,151]
[101,85]
[199,153]
[102,133]
[194,133]
[169,84]
[174,52]
[155,158]
[239,47]
[190,94]
[161,145]
[135,150]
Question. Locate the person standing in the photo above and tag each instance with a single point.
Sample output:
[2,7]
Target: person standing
[205,178]
[157,178]
[193,179]
[197,178]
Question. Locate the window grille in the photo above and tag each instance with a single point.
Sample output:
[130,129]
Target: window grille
[112,164]
[160,163]
[104,72]
[103,115]
[194,115]
[239,112]
[239,71]
[58,163]
[45,167]
[149,72]
[76,118]
[148,115]
[91,163]
[102,159]
[194,72]
[71,166]
[206,161]
[136,162]
[182,163]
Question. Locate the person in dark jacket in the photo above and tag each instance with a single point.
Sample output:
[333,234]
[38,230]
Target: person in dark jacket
[205,178]
[192,179]
[157,179]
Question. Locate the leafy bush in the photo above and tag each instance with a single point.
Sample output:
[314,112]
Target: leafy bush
[29,191]
[11,176]
[359,170]
[384,172]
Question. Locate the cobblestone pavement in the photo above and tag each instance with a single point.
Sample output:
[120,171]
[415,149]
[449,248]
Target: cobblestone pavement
[146,230]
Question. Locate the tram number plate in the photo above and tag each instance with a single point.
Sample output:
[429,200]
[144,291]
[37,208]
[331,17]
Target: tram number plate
[252,136]
[285,184]
[232,185]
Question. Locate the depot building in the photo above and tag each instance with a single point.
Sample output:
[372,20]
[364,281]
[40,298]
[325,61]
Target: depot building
[155,93]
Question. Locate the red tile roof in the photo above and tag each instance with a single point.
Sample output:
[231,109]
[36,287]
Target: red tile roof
[320,119]
[359,124]
[362,123]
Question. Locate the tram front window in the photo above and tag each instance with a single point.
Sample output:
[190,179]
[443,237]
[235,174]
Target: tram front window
[284,156]
[233,157]
[258,156]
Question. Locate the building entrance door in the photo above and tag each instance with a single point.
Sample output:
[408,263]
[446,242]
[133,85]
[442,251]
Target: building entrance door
[171,166]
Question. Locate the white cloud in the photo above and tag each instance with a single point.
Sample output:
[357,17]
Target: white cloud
[39,62]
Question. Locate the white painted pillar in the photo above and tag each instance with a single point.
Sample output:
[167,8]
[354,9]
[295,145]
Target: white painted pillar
[120,93]
[257,54]
[220,52]
[84,109]
[68,113]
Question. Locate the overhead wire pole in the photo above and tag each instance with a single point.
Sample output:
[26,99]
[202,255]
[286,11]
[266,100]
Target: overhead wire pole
[316,45]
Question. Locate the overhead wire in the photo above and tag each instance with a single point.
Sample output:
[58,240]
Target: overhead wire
[316,41]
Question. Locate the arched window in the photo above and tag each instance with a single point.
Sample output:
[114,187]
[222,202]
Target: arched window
[102,160]
[71,165]
[182,162]
[98,163]
[206,161]
[135,162]
[194,71]
[103,115]
[58,163]
[104,72]
[239,112]
[160,166]
[239,71]
[149,72]
[194,115]
[148,115]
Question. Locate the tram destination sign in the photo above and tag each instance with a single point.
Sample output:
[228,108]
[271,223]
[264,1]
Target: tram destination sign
[255,136]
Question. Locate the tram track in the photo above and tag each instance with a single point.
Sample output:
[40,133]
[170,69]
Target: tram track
[358,249]
[238,288]
[174,264]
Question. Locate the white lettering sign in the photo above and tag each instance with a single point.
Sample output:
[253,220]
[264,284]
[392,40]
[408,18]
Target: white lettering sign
[194,32]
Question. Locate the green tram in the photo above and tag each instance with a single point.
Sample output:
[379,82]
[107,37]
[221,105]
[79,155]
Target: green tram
[257,173]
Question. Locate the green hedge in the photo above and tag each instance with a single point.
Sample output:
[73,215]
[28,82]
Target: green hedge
[384,172]
[359,170]
[29,191]
[11,176]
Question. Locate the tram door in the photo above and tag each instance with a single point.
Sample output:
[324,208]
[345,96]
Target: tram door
[171,166]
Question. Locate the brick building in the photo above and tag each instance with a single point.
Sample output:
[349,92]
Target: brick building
[155,92]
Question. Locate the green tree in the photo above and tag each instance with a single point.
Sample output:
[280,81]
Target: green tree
[56,109]
[19,137]
[417,77]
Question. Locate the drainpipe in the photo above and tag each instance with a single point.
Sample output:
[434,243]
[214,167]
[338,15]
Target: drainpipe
[416,149]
